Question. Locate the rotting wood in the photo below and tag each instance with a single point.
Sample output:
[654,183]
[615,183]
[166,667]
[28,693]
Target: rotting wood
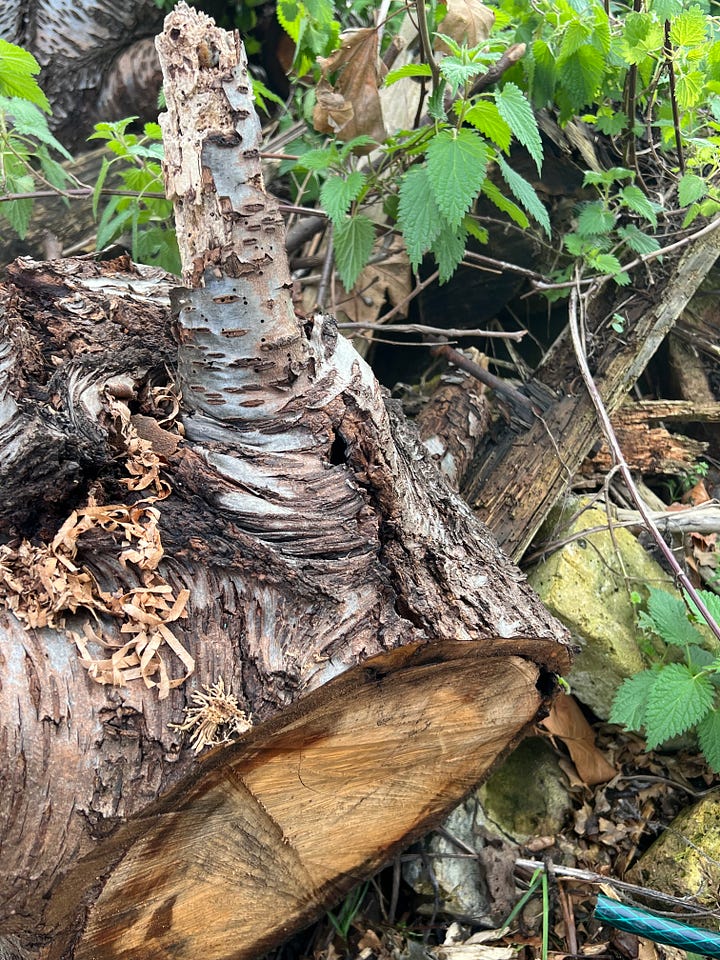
[321,549]
[520,475]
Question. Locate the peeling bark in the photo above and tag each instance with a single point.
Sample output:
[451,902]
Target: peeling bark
[336,583]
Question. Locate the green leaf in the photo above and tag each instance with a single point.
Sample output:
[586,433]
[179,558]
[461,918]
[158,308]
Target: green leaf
[595,219]
[544,77]
[28,121]
[354,238]
[458,73]
[153,131]
[638,241]
[575,35]
[485,117]
[18,212]
[53,171]
[337,193]
[17,70]
[690,89]
[630,702]
[104,167]
[475,230]
[505,204]
[709,738]
[362,141]
[691,188]
[605,263]
[580,75]
[636,27]
[666,9]
[518,114]
[688,28]
[448,249]
[668,618]
[418,213]
[317,159]
[290,14]
[711,601]
[634,198]
[409,70]
[678,700]
[456,167]
[611,123]
[524,192]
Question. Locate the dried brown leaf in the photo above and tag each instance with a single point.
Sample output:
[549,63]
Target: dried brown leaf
[567,722]
[352,107]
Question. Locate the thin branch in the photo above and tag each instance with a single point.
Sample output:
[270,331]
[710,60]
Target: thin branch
[668,52]
[484,376]
[434,331]
[575,304]
[426,43]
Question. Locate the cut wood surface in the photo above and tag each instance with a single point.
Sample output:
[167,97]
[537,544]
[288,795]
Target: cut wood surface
[225,494]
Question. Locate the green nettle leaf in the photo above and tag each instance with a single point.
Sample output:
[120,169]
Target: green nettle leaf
[691,188]
[27,120]
[518,114]
[709,738]
[595,219]
[18,212]
[611,123]
[418,214]
[505,204]
[53,171]
[634,198]
[436,103]
[678,700]
[688,28]
[636,27]
[17,75]
[485,117]
[524,192]
[690,89]
[456,167]
[409,70]
[290,14]
[353,238]
[711,601]
[337,193]
[544,76]
[630,703]
[667,616]
[580,75]
[475,230]
[606,263]
[666,9]
[575,35]
[638,241]
[317,159]
[448,249]
[458,73]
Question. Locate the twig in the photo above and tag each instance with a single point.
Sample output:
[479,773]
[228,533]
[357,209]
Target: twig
[514,52]
[433,331]
[612,441]
[668,53]
[483,375]
[425,42]
[326,273]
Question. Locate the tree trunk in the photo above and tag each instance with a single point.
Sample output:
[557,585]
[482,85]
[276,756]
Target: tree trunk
[223,497]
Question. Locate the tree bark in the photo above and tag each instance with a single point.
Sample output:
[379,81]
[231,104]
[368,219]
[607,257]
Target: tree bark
[223,493]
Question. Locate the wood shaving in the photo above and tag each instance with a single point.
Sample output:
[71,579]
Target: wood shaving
[42,584]
[216,717]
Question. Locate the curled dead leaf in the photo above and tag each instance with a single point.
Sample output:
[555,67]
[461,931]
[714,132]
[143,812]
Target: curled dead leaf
[466,21]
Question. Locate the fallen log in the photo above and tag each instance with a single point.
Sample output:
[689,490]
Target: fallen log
[216,528]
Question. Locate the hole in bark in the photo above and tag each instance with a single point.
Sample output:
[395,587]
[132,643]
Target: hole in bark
[338,451]
[546,683]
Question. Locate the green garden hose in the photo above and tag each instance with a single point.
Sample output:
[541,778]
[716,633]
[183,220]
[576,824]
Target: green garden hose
[657,929]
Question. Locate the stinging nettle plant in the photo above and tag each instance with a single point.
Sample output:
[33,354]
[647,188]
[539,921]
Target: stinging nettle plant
[680,692]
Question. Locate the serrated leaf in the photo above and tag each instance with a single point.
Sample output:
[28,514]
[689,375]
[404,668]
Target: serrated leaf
[711,601]
[409,70]
[595,219]
[362,141]
[17,70]
[709,738]
[505,204]
[636,26]
[458,73]
[634,198]
[18,212]
[630,702]
[544,76]
[475,230]
[666,9]
[677,701]
[337,193]
[418,214]
[580,75]
[28,120]
[456,167]
[485,117]
[518,114]
[448,249]
[668,616]
[354,238]
[638,241]
[99,183]
[436,103]
[611,123]
[606,263]
[688,28]
[690,89]
[698,658]
[691,188]
[290,15]
[317,159]
[524,192]
[575,35]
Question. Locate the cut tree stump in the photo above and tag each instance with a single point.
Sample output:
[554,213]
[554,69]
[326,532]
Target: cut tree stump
[220,500]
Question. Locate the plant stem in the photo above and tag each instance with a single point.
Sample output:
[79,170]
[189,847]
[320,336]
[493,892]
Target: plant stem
[668,52]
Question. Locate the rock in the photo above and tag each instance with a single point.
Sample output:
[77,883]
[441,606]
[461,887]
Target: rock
[583,585]
[526,797]
[685,860]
